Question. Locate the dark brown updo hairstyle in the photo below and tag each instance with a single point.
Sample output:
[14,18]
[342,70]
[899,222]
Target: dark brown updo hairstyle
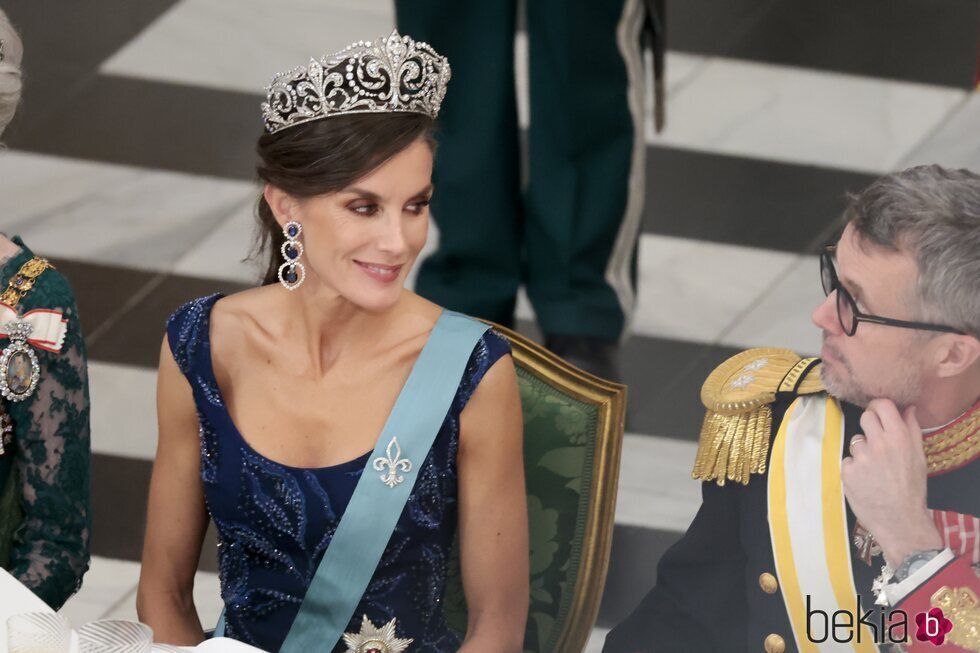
[325,156]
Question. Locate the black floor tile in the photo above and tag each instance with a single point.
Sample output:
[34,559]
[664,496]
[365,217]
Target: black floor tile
[632,570]
[120,488]
[134,339]
[101,291]
[152,124]
[739,201]
[66,42]
[710,27]
[80,32]
[665,378]
[929,41]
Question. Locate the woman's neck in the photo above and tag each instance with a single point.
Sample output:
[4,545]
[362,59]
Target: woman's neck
[328,325]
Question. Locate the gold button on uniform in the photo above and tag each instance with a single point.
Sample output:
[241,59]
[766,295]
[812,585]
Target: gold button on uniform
[768,583]
[775,644]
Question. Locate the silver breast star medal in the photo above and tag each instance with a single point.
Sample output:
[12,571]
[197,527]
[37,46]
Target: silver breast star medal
[372,639]
[19,367]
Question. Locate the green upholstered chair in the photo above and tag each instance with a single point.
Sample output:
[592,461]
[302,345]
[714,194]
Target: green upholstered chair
[573,435]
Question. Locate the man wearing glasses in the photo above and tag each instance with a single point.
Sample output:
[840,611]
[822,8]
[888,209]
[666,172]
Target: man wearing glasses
[841,495]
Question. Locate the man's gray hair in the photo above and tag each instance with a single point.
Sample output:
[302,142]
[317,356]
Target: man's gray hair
[934,214]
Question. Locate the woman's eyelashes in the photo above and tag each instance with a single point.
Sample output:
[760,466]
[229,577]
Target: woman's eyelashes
[366,209]
[371,208]
[419,207]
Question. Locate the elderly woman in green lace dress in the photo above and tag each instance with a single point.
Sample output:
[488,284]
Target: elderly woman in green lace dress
[44,405]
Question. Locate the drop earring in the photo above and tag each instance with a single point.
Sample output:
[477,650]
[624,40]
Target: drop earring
[292,273]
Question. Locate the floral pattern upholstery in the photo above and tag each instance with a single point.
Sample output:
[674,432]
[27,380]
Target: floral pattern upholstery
[561,434]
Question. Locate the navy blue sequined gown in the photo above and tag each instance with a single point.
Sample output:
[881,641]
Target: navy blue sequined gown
[274,522]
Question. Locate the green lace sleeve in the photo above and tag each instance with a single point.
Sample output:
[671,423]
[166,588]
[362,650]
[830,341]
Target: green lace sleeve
[50,549]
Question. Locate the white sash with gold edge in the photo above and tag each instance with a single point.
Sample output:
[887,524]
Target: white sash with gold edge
[808,521]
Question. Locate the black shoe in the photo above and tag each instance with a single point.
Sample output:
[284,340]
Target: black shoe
[594,355]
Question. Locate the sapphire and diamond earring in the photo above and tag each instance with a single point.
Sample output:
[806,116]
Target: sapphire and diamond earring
[292,273]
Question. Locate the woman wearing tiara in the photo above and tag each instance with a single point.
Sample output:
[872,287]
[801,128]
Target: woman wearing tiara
[44,404]
[337,428]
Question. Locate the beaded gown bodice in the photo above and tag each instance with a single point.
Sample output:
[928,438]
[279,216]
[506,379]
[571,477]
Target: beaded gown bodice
[275,522]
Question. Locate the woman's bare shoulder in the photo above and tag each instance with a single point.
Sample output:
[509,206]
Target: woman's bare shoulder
[238,309]
[421,308]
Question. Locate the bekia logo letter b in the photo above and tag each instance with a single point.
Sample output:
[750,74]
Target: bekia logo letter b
[933,626]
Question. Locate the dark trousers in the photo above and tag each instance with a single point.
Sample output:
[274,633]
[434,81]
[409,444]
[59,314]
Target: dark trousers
[570,236]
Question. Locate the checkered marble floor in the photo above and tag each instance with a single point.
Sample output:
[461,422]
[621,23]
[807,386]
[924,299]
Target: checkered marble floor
[131,166]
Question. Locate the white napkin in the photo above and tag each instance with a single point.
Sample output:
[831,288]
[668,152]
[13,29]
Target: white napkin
[217,645]
[17,599]
[224,645]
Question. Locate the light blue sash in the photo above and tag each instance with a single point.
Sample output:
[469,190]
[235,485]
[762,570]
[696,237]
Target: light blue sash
[375,507]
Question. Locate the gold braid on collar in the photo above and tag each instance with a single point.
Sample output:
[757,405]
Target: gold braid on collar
[21,283]
[735,436]
[954,445]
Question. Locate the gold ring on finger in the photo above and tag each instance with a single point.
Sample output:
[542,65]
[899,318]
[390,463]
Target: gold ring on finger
[857,439]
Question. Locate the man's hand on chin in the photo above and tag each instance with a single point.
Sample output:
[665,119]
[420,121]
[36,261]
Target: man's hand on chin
[885,481]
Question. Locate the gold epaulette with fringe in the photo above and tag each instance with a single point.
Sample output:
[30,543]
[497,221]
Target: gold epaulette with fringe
[734,441]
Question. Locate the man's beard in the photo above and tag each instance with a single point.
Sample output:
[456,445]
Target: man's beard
[903,388]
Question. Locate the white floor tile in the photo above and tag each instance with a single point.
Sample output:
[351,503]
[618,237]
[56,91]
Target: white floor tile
[693,289]
[655,485]
[256,40]
[803,116]
[688,289]
[108,585]
[681,68]
[111,214]
[123,409]
[223,253]
[596,640]
[781,318]
[956,144]
[207,600]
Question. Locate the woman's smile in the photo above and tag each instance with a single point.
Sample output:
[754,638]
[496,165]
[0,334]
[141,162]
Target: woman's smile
[378,272]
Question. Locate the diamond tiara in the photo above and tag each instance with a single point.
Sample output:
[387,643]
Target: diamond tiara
[389,74]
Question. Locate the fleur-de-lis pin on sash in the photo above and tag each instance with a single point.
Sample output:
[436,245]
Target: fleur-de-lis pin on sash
[394,462]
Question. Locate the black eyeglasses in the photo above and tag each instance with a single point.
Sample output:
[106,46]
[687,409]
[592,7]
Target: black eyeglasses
[847,311]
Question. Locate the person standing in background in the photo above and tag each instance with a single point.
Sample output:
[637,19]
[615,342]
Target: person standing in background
[44,404]
[571,235]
